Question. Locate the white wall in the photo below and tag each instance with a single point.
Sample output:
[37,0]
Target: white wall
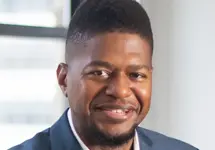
[184,75]
[158,117]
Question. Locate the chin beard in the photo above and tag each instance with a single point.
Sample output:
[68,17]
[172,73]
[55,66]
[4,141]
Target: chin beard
[95,136]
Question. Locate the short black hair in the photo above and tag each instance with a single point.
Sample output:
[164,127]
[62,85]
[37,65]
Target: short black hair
[94,17]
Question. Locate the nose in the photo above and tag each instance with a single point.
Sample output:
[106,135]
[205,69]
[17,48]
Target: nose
[119,86]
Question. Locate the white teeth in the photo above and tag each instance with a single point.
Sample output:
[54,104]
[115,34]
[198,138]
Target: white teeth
[117,111]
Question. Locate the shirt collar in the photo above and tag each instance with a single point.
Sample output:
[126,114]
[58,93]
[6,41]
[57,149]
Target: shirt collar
[83,146]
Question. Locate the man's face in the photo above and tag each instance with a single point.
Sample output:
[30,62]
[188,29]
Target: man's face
[108,83]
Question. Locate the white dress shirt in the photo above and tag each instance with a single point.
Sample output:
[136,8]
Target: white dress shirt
[83,146]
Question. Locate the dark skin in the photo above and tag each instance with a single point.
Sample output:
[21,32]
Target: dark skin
[109,71]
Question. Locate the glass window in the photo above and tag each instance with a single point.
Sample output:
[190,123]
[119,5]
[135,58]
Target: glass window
[30,99]
[45,13]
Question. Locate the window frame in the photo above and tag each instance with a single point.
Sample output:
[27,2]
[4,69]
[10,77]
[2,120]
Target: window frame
[40,32]
[34,31]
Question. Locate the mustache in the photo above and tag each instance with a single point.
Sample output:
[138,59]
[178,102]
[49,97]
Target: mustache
[111,102]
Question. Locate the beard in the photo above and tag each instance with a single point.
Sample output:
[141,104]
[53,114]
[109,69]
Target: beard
[95,136]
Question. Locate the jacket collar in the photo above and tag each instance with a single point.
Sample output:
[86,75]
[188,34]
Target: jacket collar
[61,135]
[144,141]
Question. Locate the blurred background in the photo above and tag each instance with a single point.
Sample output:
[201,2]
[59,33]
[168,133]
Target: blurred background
[32,44]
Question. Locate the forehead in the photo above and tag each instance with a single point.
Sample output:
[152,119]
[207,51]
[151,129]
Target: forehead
[120,46]
[116,48]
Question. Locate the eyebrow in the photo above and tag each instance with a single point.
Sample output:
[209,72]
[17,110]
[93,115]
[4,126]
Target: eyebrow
[138,67]
[101,64]
[111,66]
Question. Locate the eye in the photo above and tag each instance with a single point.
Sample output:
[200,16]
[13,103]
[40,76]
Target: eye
[100,73]
[137,76]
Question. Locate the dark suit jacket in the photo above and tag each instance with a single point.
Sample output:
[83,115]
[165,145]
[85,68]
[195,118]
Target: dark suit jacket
[60,137]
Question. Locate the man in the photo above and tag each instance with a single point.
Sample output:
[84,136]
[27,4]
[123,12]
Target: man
[107,79]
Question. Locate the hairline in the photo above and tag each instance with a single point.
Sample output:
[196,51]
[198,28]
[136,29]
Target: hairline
[85,37]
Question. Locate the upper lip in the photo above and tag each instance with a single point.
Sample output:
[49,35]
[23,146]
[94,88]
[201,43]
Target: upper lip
[115,106]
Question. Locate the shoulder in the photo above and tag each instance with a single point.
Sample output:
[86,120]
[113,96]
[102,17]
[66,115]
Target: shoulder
[160,141]
[41,141]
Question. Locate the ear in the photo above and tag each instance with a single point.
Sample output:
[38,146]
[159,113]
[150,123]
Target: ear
[62,71]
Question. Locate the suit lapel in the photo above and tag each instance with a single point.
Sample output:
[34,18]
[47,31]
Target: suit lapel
[61,135]
[144,141]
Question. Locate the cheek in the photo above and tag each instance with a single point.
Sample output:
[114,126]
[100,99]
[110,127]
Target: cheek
[81,94]
[144,95]
[92,89]
[76,95]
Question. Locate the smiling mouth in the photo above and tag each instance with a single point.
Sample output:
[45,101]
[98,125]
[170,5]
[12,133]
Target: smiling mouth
[117,110]
[114,113]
